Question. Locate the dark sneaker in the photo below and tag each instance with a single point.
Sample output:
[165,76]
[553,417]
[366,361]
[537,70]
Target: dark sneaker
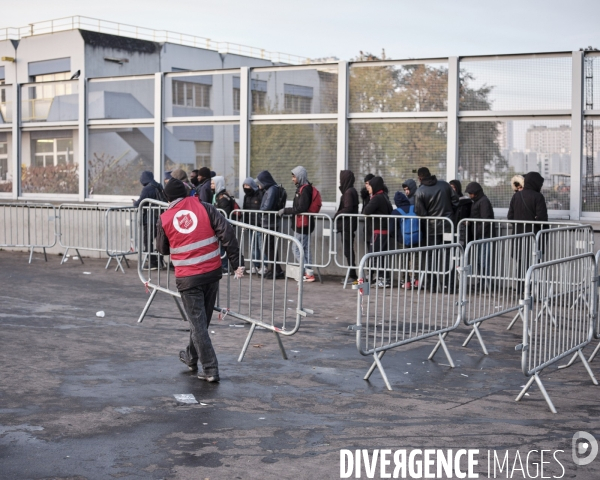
[209,378]
[184,358]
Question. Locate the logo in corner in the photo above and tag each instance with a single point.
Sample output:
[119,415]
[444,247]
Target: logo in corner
[185,221]
[584,443]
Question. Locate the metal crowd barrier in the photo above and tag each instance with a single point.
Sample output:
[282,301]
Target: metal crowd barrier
[493,276]
[81,227]
[562,242]
[263,302]
[559,316]
[319,243]
[28,225]
[121,233]
[470,229]
[358,235]
[389,316]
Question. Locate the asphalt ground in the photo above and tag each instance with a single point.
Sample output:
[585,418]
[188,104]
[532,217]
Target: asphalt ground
[89,397]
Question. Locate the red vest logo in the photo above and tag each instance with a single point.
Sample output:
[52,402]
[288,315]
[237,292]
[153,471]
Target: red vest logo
[185,221]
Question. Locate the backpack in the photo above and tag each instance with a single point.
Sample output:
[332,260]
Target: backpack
[315,207]
[160,193]
[281,200]
[409,227]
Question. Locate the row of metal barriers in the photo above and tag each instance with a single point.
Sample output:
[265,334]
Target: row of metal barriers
[548,279]
[100,228]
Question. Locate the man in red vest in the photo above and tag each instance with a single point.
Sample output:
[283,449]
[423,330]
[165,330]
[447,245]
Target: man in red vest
[190,231]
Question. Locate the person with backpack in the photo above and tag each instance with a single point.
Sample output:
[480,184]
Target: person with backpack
[306,200]
[153,190]
[347,225]
[274,199]
[252,199]
[406,231]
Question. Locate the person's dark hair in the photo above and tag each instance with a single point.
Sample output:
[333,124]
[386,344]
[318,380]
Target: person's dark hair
[423,172]
[368,177]
[204,172]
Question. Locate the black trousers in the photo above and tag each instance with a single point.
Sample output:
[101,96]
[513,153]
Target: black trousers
[348,241]
[199,303]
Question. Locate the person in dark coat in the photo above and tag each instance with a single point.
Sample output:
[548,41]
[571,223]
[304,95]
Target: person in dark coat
[270,221]
[303,226]
[410,188]
[204,192]
[465,235]
[379,204]
[481,209]
[252,200]
[152,190]
[347,225]
[529,204]
[364,192]
[225,202]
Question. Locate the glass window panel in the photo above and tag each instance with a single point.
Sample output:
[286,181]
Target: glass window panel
[117,157]
[279,148]
[192,147]
[317,87]
[46,169]
[395,151]
[399,88]
[201,95]
[50,102]
[5,104]
[121,99]
[491,152]
[6,173]
[516,84]
[590,183]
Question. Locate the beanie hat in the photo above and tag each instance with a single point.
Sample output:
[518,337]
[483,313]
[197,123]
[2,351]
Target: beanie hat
[204,172]
[175,189]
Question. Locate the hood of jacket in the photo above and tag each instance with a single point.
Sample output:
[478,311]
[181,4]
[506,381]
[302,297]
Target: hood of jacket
[346,180]
[376,184]
[458,186]
[301,175]
[429,181]
[265,180]
[476,189]
[146,177]
[401,200]
[411,185]
[179,174]
[533,181]
[250,181]
[219,184]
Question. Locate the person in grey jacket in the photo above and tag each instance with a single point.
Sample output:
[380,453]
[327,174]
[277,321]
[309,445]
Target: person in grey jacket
[271,221]
[410,188]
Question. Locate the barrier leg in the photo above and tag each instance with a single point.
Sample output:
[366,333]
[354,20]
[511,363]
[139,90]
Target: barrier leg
[381,354]
[283,354]
[476,331]
[587,367]
[247,342]
[381,370]
[535,378]
[119,264]
[79,256]
[571,362]
[346,278]
[593,355]
[436,348]
[45,256]
[152,295]
[319,275]
[107,263]
[514,320]
[443,344]
[525,388]
[30,254]
[180,308]
[64,259]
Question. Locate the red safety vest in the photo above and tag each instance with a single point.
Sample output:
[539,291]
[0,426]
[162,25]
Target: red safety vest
[194,246]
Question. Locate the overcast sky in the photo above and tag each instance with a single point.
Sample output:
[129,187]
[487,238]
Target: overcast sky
[321,28]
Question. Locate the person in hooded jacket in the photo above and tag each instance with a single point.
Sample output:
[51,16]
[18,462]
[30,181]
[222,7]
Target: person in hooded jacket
[364,192]
[410,188]
[152,190]
[203,189]
[347,225]
[465,235]
[223,201]
[267,183]
[252,200]
[379,204]
[301,204]
[181,174]
[481,209]
[527,205]
[406,232]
